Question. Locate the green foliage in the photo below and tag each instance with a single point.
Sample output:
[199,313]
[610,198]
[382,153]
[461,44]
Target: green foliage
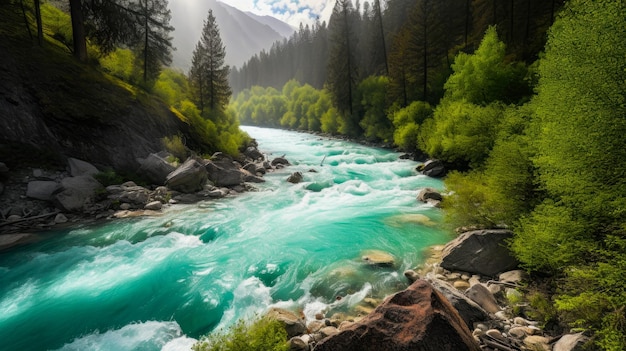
[262,335]
[373,97]
[406,122]
[175,146]
[541,308]
[109,177]
[484,76]
[120,63]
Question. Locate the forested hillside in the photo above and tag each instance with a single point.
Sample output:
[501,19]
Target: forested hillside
[535,128]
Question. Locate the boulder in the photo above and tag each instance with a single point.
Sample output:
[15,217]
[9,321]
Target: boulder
[426,194]
[418,318]
[483,297]
[60,218]
[76,192]
[293,324]
[251,178]
[378,258]
[514,276]
[253,153]
[469,310]
[188,178]
[133,194]
[42,190]
[8,241]
[223,171]
[295,178]
[571,342]
[483,252]
[154,206]
[155,169]
[280,161]
[80,168]
[433,168]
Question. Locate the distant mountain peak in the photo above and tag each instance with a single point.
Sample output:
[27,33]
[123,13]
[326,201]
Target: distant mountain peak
[243,33]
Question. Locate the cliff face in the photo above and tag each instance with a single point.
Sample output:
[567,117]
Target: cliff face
[53,108]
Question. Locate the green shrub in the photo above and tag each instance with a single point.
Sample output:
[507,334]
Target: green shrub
[263,334]
[175,146]
[109,177]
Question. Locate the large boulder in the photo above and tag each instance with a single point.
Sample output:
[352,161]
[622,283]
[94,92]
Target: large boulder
[224,171]
[253,153]
[76,192]
[483,252]
[42,190]
[571,342]
[433,168]
[418,318]
[81,168]
[469,310]
[129,193]
[295,178]
[293,324]
[428,195]
[483,297]
[189,177]
[155,169]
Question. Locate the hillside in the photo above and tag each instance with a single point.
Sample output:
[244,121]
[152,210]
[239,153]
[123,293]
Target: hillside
[53,107]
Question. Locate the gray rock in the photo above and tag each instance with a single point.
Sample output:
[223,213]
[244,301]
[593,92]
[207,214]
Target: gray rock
[295,178]
[81,168]
[253,153]
[60,218]
[8,241]
[13,218]
[433,168]
[134,195]
[76,193]
[514,276]
[426,194]
[469,310]
[293,324]
[42,190]
[155,169]
[188,178]
[154,206]
[297,344]
[125,206]
[482,252]
[251,178]
[571,342]
[280,161]
[483,297]
[251,167]
[223,171]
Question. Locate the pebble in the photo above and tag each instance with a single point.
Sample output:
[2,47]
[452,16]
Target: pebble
[319,316]
[473,280]
[461,285]
[13,218]
[501,315]
[454,276]
[518,332]
[60,218]
[521,321]
[124,206]
[496,334]
[536,342]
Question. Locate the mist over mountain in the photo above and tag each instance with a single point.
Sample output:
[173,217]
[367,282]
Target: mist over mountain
[243,34]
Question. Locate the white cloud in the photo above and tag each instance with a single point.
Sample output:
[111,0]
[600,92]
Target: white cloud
[293,12]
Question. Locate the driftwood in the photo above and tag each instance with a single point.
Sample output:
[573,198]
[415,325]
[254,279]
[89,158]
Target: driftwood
[27,219]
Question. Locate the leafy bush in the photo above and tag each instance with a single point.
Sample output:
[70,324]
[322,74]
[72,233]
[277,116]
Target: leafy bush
[261,335]
[175,146]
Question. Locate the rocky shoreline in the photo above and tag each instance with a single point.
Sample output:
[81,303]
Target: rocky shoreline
[35,200]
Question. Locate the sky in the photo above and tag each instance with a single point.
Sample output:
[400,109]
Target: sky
[292,12]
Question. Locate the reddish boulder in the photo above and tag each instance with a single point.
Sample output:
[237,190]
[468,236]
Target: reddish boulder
[418,318]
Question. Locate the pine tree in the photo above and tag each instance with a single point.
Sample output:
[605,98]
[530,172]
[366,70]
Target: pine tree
[155,44]
[209,74]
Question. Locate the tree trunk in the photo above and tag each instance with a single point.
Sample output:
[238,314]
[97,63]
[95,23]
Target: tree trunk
[145,48]
[345,15]
[78,31]
[39,24]
[382,35]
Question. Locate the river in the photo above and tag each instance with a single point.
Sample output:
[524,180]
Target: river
[159,283]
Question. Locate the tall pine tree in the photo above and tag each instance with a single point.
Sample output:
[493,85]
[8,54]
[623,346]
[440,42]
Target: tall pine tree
[154,43]
[209,73]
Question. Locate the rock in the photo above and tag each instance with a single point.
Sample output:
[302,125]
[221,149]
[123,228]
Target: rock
[496,334]
[483,297]
[216,194]
[297,344]
[131,194]
[295,178]
[8,241]
[188,177]
[433,168]
[251,178]
[513,295]
[76,193]
[252,168]
[13,218]
[60,219]
[514,276]
[523,322]
[124,206]
[37,173]
[482,252]
[316,325]
[154,206]
[571,342]
[411,275]
[426,194]
[155,169]
[3,169]
[222,171]
[461,285]
[473,280]
[253,153]
[280,161]
[42,190]
[501,315]
[518,332]
[329,331]
[536,342]
[378,258]
[418,318]
[469,310]
[292,323]
[81,168]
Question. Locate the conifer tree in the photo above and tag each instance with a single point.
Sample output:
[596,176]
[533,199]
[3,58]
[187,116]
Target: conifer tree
[209,74]
[154,42]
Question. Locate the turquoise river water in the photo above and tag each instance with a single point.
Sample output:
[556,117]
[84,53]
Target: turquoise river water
[159,283]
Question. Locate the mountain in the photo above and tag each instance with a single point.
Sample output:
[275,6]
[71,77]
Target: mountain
[243,34]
